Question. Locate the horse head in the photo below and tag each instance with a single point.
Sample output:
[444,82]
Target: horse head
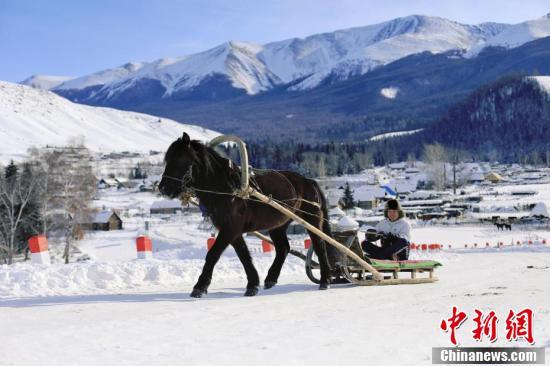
[178,167]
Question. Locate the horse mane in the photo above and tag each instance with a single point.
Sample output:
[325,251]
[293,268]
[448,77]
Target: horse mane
[217,172]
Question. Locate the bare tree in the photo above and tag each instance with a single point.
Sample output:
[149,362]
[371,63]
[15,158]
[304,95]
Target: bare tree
[456,157]
[435,156]
[67,185]
[411,160]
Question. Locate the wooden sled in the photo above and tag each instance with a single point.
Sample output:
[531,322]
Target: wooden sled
[348,270]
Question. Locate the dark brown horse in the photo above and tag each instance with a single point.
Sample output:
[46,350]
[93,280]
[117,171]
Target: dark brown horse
[193,167]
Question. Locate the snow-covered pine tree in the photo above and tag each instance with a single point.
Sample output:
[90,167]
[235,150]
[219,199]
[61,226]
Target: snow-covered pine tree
[348,199]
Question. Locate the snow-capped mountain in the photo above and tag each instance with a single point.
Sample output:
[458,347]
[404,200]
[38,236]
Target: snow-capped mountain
[236,60]
[45,81]
[521,33]
[516,35]
[298,63]
[103,77]
[304,62]
[34,117]
[356,51]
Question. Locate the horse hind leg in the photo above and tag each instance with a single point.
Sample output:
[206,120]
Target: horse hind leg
[252,276]
[282,248]
[319,246]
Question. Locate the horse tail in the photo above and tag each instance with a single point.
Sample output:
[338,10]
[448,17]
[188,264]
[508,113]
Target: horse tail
[324,208]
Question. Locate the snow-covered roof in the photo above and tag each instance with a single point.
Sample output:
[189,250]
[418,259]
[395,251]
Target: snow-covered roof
[358,210]
[422,195]
[477,176]
[175,203]
[421,203]
[110,181]
[102,217]
[336,211]
[493,176]
[369,193]
[401,165]
[540,209]
[403,185]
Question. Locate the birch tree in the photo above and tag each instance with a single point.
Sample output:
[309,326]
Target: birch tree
[15,195]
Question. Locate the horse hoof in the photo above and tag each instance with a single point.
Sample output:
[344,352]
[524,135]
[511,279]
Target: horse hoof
[269,284]
[198,293]
[251,291]
[324,286]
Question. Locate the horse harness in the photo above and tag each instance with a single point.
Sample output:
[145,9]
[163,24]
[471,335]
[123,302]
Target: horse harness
[188,191]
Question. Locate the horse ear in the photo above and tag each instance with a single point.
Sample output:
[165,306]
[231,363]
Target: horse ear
[185,138]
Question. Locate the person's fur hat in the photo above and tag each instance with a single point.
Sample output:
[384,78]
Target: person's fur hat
[393,204]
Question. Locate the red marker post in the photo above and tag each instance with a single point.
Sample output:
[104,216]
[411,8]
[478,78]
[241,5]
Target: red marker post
[38,246]
[266,246]
[210,242]
[144,247]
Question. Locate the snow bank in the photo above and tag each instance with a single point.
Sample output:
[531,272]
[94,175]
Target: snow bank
[28,280]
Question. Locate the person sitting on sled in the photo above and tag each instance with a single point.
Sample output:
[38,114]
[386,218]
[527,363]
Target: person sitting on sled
[394,232]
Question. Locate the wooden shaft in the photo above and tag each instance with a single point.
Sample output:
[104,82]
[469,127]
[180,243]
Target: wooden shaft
[342,248]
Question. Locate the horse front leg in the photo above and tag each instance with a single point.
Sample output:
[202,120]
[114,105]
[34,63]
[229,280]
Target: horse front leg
[222,241]
[252,276]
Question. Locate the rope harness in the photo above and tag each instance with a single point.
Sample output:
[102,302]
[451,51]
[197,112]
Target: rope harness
[189,191]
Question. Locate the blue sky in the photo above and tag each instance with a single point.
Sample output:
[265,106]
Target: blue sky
[76,37]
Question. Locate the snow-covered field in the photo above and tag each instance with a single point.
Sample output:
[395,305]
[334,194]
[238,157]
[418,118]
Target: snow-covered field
[116,309]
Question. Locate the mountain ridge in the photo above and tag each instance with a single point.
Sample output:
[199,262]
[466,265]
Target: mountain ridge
[255,68]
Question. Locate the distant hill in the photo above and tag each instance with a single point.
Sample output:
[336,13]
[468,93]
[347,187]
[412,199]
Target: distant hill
[34,117]
[508,121]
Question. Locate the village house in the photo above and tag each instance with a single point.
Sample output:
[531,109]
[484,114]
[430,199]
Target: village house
[166,207]
[102,220]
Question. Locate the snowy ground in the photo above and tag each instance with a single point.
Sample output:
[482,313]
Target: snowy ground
[149,318]
[116,309]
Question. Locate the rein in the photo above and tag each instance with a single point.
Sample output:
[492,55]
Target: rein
[188,192]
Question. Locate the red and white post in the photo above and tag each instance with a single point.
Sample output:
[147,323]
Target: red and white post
[144,247]
[38,246]
[210,242]
[267,249]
